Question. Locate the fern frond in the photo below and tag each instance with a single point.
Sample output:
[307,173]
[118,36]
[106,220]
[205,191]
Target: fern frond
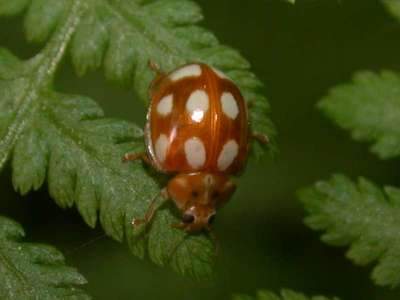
[370,108]
[393,7]
[284,295]
[34,271]
[65,139]
[68,139]
[362,216]
[124,35]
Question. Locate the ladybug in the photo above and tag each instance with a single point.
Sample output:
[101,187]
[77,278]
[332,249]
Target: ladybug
[198,131]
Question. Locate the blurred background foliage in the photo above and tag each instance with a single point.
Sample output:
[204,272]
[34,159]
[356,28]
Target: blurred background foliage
[299,51]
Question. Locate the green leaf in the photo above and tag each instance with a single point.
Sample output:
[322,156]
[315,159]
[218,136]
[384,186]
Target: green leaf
[81,152]
[9,8]
[41,18]
[362,216]
[21,83]
[393,7]
[370,108]
[65,139]
[34,271]
[124,35]
[285,295]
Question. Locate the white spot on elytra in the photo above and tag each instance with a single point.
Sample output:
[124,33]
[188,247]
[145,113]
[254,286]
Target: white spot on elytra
[195,152]
[161,147]
[164,107]
[227,155]
[220,73]
[186,71]
[229,105]
[197,105]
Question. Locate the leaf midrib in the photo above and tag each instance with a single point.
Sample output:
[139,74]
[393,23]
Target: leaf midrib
[40,79]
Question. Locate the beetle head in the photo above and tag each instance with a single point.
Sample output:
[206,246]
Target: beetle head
[198,196]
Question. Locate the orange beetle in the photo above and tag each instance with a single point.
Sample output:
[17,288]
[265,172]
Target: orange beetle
[197,128]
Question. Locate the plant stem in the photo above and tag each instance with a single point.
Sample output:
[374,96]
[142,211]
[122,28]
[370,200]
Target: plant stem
[41,78]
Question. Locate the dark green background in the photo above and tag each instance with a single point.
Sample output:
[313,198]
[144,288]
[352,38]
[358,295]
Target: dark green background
[299,52]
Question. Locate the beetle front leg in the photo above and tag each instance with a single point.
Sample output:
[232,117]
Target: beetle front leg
[155,68]
[136,156]
[152,209]
[261,138]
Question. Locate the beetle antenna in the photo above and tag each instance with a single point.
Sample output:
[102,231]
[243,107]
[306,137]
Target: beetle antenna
[91,241]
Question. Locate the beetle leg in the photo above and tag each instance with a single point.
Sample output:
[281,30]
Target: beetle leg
[152,209]
[136,156]
[155,67]
[261,138]
[159,76]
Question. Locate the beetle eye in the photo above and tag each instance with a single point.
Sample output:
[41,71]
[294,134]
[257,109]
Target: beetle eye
[187,218]
[211,219]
